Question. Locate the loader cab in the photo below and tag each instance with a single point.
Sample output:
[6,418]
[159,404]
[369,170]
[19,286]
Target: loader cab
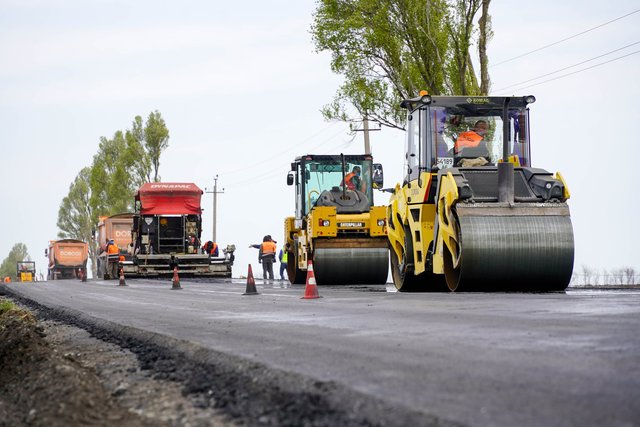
[437,126]
[320,181]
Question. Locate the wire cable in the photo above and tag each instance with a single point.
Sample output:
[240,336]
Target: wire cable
[566,68]
[282,152]
[579,71]
[565,39]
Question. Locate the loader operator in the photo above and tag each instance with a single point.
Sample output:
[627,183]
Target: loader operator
[266,256]
[353,180]
[471,147]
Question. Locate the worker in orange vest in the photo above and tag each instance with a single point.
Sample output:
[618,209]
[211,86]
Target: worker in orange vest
[112,248]
[471,145]
[353,180]
[266,256]
[210,248]
[473,137]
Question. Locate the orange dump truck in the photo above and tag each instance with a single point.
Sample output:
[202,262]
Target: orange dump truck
[67,259]
[116,228]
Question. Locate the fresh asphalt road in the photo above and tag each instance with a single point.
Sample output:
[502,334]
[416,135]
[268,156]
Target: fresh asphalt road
[561,359]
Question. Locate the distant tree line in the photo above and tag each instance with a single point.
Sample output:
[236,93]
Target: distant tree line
[589,276]
[121,165]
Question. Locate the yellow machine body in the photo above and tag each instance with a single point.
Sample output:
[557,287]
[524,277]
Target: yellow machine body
[345,247]
[495,225]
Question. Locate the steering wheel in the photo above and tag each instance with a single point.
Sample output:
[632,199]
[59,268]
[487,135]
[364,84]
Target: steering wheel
[309,196]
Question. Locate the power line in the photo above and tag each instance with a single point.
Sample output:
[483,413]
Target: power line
[282,152]
[579,71]
[565,39]
[566,68]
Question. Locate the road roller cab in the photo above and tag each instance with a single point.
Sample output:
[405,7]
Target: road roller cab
[336,224]
[472,214]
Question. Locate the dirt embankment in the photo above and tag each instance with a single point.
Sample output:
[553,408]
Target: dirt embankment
[53,374]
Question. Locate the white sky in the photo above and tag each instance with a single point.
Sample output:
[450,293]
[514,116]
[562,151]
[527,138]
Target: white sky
[240,88]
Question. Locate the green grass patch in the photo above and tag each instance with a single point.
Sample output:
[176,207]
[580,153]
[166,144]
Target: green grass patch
[9,311]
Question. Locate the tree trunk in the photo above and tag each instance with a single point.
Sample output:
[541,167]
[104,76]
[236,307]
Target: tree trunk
[485,33]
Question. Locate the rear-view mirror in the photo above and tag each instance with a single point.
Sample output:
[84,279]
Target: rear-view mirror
[378,176]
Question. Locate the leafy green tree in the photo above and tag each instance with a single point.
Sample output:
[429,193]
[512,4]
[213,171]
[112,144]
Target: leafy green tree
[156,139]
[16,254]
[121,165]
[388,50]
[76,218]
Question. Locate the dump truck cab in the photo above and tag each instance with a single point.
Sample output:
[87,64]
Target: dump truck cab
[336,224]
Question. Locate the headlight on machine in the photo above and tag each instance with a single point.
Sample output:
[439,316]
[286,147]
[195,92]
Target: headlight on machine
[381,222]
[323,222]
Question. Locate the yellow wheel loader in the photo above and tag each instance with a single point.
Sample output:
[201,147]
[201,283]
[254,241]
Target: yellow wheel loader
[336,224]
[472,213]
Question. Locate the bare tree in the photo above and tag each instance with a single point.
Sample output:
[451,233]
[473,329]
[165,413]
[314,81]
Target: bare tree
[629,275]
[587,275]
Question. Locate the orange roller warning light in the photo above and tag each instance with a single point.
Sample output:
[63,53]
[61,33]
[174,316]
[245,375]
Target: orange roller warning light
[251,283]
[311,288]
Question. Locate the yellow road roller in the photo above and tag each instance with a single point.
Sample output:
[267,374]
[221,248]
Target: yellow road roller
[336,224]
[472,214]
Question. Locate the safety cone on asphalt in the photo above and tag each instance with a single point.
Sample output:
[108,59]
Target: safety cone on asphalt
[311,289]
[122,282]
[251,283]
[175,283]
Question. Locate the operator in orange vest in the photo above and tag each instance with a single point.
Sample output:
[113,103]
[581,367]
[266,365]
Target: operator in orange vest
[266,256]
[353,180]
[471,145]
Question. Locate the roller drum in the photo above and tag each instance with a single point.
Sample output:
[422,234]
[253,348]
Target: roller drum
[355,265]
[512,253]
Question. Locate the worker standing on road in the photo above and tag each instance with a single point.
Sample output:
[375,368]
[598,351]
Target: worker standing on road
[283,256]
[112,259]
[266,256]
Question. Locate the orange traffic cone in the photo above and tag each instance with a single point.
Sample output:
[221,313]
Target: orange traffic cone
[122,282]
[175,283]
[251,283]
[311,289]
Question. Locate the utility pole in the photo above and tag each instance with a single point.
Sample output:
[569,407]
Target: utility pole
[215,193]
[367,146]
[366,130]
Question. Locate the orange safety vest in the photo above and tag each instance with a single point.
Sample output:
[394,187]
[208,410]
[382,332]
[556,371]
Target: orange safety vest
[268,248]
[467,139]
[214,247]
[112,249]
[348,180]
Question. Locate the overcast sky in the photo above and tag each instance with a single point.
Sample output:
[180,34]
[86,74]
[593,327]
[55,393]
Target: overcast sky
[240,88]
